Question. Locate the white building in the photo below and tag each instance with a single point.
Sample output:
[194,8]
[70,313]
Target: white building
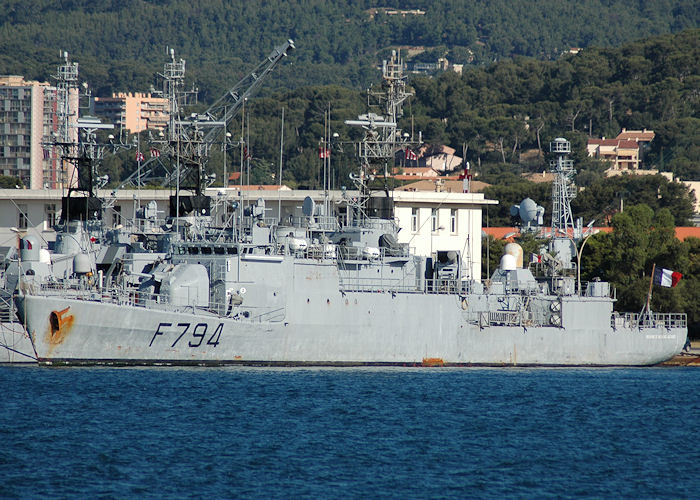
[432,221]
[429,221]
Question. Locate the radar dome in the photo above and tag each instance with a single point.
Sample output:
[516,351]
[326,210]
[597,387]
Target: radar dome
[528,210]
[508,263]
[81,263]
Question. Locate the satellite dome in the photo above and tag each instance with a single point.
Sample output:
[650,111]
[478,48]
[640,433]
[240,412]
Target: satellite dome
[528,210]
[508,263]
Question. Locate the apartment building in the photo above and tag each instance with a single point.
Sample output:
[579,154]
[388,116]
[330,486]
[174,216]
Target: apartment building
[134,112]
[28,119]
[625,152]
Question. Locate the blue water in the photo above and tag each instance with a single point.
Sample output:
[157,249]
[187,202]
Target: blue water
[348,433]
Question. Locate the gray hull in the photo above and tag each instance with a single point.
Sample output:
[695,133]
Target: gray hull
[15,344]
[342,329]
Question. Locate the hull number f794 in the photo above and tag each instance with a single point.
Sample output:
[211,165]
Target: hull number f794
[194,335]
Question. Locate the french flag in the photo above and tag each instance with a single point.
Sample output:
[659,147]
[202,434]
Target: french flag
[666,277]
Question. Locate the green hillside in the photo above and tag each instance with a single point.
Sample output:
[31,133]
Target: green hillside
[339,41]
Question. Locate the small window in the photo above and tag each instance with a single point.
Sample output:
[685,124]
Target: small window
[50,216]
[22,216]
[434,220]
[117,215]
[414,220]
[453,221]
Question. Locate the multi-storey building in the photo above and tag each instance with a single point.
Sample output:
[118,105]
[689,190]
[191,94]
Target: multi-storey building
[134,112]
[28,119]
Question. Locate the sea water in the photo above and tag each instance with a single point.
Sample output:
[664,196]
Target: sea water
[348,433]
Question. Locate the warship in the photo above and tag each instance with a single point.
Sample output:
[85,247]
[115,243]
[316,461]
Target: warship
[83,239]
[274,292]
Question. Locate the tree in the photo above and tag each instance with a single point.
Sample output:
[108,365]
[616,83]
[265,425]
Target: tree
[9,182]
[625,257]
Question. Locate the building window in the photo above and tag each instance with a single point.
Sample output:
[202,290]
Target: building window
[434,220]
[50,216]
[414,220]
[453,221]
[22,220]
[117,215]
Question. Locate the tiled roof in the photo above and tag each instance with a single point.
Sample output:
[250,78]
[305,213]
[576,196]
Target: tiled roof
[637,135]
[605,142]
[540,177]
[681,232]
[686,232]
[628,144]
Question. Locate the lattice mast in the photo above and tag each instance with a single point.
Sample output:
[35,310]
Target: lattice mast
[189,139]
[66,136]
[382,137]
[563,188]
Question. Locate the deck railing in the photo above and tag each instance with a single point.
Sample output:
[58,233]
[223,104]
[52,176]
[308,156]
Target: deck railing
[650,320]
[138,298]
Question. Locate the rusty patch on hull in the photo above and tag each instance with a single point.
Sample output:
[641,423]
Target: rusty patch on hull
[60,325]
[433,362]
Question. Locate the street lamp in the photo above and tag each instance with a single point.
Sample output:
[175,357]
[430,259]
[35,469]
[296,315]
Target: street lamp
[226,148]
[578,257]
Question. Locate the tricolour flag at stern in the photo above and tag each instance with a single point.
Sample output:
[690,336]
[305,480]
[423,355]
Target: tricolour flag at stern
[666,277]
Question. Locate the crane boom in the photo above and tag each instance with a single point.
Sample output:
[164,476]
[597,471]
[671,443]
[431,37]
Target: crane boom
[196,135]
[229,104]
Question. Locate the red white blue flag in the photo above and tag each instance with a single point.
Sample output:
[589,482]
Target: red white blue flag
[666,277]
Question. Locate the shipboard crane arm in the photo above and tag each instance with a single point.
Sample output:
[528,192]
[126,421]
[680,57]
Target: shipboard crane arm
[230,103]
[205,128]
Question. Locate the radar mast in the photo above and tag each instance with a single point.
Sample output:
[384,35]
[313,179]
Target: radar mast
[382,138]
[563,191]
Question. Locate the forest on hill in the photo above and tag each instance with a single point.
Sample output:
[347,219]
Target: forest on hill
[496,110]
[499,111]
[118,42]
